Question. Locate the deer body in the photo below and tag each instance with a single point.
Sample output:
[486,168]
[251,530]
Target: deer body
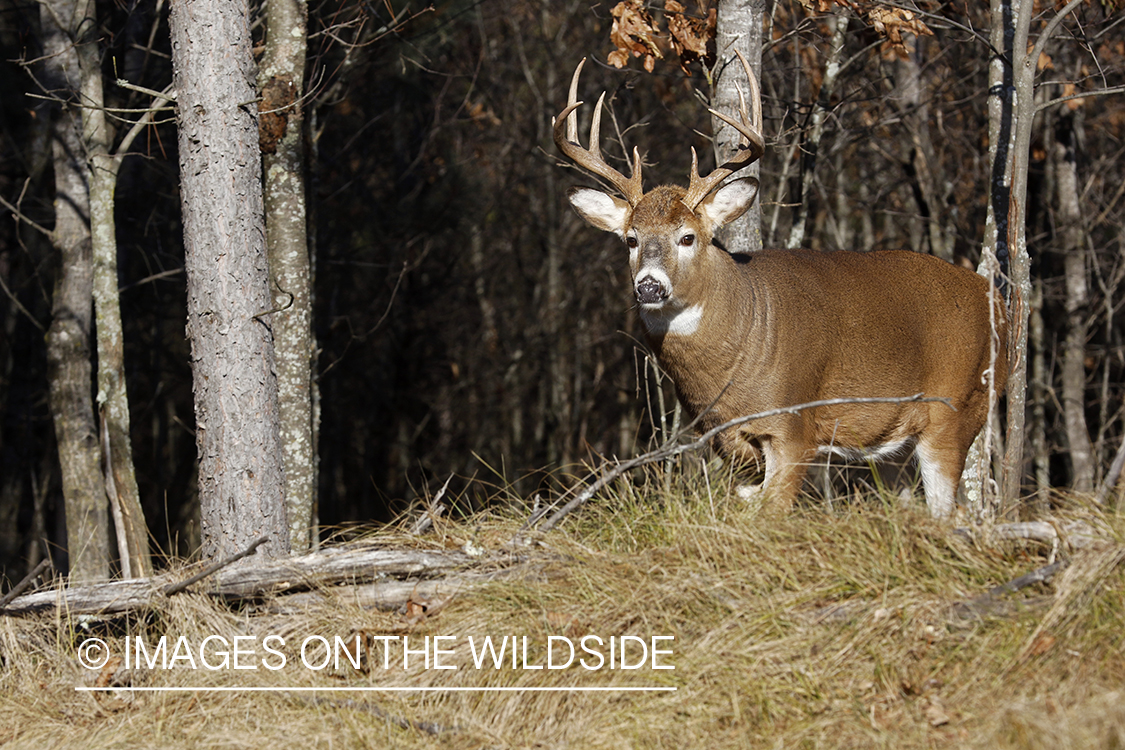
[743,334]
[786,327]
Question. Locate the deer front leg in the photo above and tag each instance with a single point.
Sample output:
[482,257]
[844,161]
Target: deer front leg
[786,465]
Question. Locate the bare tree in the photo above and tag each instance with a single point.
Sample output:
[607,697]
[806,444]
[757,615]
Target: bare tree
[281,125]
[113,401]
[68,339]
[1069,217]
[241,474]
[1011,114]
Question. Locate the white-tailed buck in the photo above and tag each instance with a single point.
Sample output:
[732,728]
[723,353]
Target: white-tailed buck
[742,334]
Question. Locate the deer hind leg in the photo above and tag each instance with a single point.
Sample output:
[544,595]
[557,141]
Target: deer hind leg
[942,449]
[942,461]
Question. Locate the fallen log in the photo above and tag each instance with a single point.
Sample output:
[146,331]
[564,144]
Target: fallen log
[357,563]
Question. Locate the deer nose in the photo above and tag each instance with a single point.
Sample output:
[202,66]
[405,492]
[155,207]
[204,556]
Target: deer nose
[649,291]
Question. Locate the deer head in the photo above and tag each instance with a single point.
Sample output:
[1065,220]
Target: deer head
[667,228]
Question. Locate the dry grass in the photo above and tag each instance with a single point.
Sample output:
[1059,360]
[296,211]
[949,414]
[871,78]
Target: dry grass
[819,630]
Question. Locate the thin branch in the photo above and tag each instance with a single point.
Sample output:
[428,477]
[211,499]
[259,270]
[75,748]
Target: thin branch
[986,602]
[168,94]
[175,588]
[21,217]
[28,579]
[1100,92]
[1041,43]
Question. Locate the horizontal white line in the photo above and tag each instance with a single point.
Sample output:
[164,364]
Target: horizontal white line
[377,689]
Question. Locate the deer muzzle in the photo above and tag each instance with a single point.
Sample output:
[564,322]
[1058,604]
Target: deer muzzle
[651,291]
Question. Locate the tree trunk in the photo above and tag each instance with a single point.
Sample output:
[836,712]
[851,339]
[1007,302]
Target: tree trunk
[811,145]
[1069,218]
[241,474]
[1010,114]
[924,159]
[68,339]
[739,28]
[282,128]
[113,401]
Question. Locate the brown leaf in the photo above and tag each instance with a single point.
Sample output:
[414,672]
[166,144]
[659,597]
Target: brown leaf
[1042,644]
[693,39]
[108,672]
[892,23]
[633,33]
[935,712]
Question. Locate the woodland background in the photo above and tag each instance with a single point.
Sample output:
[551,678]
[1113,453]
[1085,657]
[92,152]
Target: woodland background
[468,324]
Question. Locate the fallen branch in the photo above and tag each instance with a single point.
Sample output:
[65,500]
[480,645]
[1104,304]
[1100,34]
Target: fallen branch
[393,595]
[673,448]
[360,563]
[989,603]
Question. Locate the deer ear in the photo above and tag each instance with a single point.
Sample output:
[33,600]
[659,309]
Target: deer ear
[729,202]
[602,210]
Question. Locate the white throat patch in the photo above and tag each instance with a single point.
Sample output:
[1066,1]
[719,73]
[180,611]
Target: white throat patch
[681,323]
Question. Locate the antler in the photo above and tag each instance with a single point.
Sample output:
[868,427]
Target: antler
[749,151]
[591,159]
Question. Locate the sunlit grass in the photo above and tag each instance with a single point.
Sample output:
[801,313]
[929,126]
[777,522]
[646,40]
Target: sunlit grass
[824,628]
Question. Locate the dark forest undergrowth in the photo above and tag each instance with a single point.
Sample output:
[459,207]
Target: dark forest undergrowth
[831,627]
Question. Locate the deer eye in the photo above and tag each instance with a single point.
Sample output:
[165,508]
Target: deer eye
[687,240]
[631,241]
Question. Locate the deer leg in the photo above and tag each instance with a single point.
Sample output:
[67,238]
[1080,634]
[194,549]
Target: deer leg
[941,473]
[786,465]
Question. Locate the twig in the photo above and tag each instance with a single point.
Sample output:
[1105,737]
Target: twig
[1114,474]
[167,95]
[432,512]
[175,588]
[429,727]
[984,603]
[21,217]
[23,585]
[670,448]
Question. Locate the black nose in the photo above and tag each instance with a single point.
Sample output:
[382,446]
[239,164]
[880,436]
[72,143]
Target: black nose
[650,291]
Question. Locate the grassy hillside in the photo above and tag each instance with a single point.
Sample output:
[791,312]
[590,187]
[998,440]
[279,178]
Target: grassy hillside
[832,627]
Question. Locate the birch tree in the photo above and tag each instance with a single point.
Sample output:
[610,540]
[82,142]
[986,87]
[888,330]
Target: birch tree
[739,29]
[281,81]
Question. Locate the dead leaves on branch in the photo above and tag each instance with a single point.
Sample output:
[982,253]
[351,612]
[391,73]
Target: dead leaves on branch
[693,39]
[891,22]
[636,34]
[633,34]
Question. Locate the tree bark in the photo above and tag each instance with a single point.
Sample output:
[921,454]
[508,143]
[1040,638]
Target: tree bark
[739,28]
[241,474]
[68,339]
[282,136]
[113,400]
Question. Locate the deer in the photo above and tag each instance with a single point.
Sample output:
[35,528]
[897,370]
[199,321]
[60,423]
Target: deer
[742,334]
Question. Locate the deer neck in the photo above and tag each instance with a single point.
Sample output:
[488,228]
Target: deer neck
[692,338]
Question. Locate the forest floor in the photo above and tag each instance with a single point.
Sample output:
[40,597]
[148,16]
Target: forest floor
[837,626]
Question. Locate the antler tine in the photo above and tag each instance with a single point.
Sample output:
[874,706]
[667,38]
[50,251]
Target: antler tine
[590,158]
[749,151]
[572,101]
